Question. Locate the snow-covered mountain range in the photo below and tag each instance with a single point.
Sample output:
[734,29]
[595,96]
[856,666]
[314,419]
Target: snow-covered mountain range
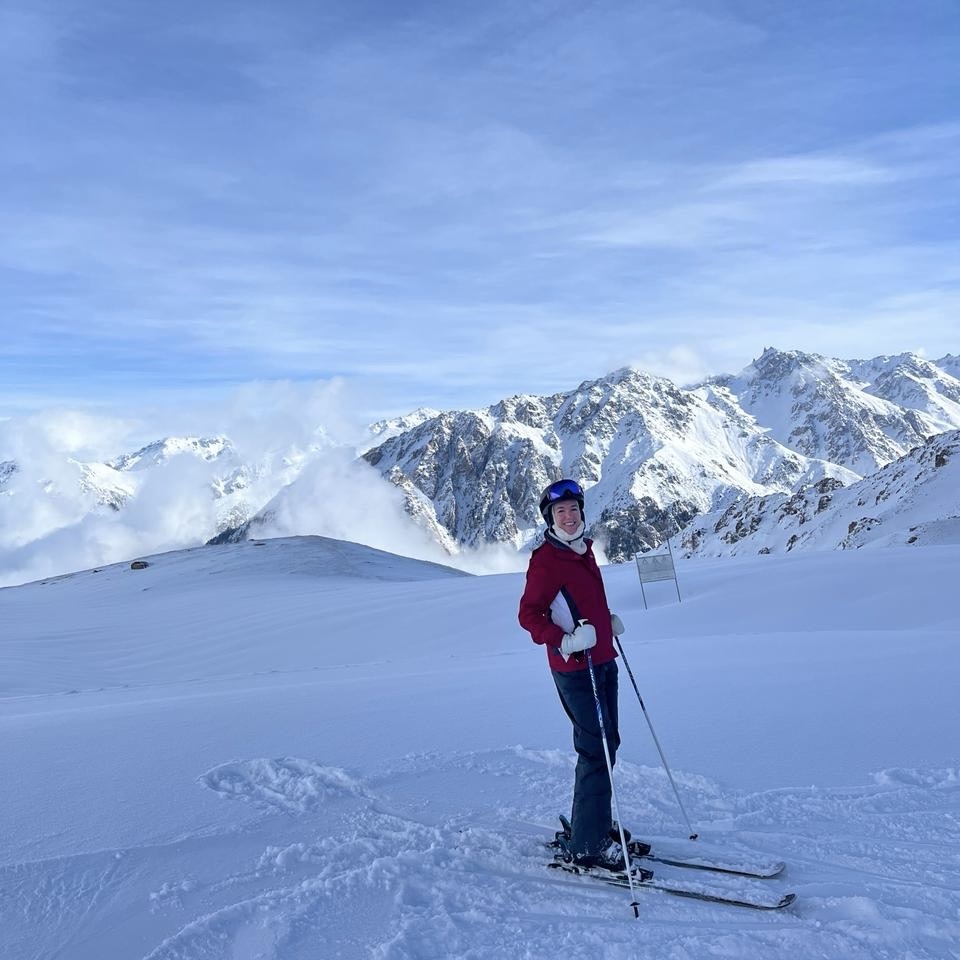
[655,456]
[236,488]
[743,463]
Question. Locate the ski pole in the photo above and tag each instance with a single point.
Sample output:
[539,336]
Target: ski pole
[653,733]
[613,791]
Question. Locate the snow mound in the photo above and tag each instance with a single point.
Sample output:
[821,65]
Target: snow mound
[289,784]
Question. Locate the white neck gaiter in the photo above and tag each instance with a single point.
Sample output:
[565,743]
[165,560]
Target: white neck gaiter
[573,540]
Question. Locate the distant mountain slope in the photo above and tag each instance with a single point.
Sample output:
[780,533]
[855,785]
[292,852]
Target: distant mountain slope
[915,499]
[185,591]
[384,429]
[951,364]
[912,383]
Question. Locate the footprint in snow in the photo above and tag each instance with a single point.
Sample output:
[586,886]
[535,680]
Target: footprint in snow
[288,784]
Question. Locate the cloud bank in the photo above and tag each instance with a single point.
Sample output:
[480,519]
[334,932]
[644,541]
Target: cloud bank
[422,200]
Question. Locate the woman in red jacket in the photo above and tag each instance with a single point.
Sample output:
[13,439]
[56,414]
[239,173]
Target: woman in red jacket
[564,608]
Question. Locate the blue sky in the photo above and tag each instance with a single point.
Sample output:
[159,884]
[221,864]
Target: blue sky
[446,203]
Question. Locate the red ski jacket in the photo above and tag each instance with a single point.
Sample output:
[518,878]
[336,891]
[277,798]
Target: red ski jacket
[564,587]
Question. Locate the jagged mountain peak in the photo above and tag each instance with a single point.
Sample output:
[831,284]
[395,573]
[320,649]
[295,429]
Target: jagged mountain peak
[775,365]
[905,362]
[649,402]
[783,373]
[160,451]
[627,380]
[384,429]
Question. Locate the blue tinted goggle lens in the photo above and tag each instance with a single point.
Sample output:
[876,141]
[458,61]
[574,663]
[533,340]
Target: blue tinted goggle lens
[563,488]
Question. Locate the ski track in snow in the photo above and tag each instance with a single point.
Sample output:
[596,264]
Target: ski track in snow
[442,856]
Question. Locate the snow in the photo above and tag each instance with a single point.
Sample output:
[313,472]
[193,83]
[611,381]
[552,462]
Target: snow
[308,748]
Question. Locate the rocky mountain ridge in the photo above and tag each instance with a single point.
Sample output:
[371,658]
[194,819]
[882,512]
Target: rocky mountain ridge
[861,414]
[914,499]
[654,456]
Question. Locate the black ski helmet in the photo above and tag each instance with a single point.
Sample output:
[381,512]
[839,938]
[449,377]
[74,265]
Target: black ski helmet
[557,492]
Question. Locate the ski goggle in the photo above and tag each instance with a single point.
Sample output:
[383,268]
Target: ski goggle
[561,489]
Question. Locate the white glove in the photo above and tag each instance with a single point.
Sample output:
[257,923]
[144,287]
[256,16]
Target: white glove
[582,638]
[616,625]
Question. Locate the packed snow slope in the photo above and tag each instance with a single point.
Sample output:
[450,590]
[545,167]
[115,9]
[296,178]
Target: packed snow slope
[305,748]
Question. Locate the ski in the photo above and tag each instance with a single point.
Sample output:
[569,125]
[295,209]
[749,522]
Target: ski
[643,851]
[708,865]
[646,879]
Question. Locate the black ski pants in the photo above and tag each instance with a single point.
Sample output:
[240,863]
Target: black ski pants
[590,817]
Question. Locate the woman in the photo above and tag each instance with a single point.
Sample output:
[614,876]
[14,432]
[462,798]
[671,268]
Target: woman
[564,608]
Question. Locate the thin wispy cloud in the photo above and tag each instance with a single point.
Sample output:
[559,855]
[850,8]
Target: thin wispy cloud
[419,200]
[814,171]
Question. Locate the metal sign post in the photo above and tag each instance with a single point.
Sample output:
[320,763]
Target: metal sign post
[657,567]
